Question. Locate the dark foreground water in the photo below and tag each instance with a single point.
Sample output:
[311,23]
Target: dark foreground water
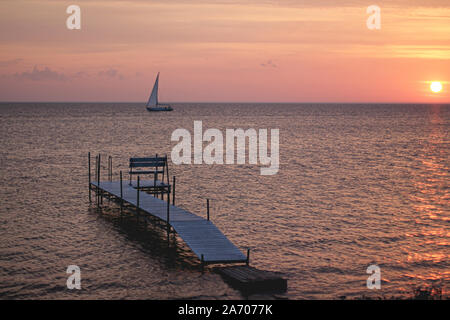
[358,185]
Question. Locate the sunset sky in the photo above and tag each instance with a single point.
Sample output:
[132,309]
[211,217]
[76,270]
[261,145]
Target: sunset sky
[225,51]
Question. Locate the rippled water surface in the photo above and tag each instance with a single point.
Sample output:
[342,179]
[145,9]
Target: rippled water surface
[358,185]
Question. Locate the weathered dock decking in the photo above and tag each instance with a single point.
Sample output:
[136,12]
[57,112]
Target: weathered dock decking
[207,242]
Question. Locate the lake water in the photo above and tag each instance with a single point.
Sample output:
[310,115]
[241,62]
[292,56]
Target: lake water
[358,185]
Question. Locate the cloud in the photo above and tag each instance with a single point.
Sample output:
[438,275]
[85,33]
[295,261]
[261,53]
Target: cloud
[46,73]
[269,63]
[11,62]
[111,73]
[40,74]
[80,74]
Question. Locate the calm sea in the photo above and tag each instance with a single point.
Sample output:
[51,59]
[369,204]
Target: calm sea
[358,185]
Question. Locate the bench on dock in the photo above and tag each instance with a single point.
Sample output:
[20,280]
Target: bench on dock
[151,166]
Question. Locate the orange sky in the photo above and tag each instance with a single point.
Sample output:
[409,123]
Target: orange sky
[247,50]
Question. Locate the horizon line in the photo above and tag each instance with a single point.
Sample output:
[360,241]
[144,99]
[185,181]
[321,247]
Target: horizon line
[228,102]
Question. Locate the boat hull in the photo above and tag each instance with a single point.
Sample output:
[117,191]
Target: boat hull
[153,109]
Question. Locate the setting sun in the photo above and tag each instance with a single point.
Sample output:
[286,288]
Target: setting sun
[436,86]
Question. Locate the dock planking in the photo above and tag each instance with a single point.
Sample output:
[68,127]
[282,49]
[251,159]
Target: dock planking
[207,242]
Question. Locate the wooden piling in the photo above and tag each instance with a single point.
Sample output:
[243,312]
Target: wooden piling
[98,180]
[96,168]
[89,165]
[155,175]
[247,262]
[168,206]
[110,168]
[95,177]
[167,170]
[168,216]
[99,173]
[207,209]
[137,197]
[121,193]
[137,193]
[173,196]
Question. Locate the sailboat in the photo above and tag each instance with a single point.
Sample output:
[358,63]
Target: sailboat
[152,104]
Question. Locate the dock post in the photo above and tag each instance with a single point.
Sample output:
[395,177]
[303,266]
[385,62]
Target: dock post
[155,176]
[121,194]
[96,166]
[207,209]
[137,197]
[168,216]
[173,196]
[247,262]
[98,180]
[109,177]
[89,165]
[110,168]
[99,173]
[168,208]
[137,194]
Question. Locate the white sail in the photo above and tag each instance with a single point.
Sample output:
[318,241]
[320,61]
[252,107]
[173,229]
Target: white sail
[153,100]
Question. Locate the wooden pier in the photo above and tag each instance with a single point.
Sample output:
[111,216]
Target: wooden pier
[207,242]
[152,198]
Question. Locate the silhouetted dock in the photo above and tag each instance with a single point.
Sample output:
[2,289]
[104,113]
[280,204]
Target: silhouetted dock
[152,198]
[208,243]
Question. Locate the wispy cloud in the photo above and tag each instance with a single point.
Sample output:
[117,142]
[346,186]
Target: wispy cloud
[48,74]
[269,63]
[40,74]
[111,73]
[11,62]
